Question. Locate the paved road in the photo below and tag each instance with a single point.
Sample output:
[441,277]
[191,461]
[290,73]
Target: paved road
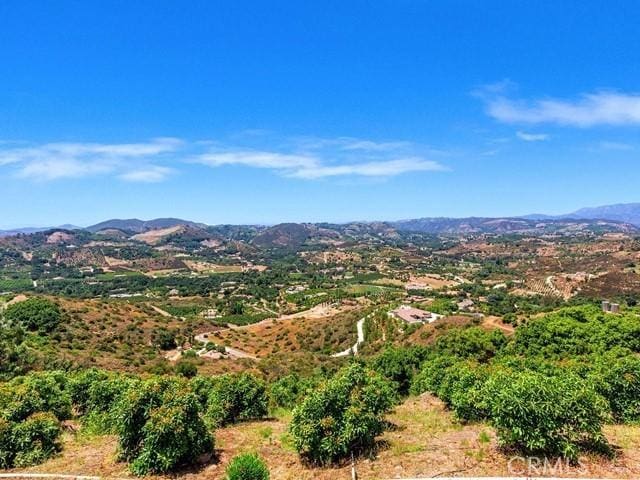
[354,349]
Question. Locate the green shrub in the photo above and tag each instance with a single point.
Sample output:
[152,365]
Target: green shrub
[36,392]
[473,343]
[618,381]
[431,375]
[343,416]
[36,439]
[577,331]
[34,314]
[236,397]
[535,413]
[79,385]
[288,390]
[399,365]
[6,443]
[29,441]
[95,394]
[247,466]
[15,358]
[160,427]
[459,385]
[186,369]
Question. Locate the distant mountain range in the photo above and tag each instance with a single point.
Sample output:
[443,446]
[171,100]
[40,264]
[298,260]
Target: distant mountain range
[28,230]
[139,226]
[620,217]
[621,212]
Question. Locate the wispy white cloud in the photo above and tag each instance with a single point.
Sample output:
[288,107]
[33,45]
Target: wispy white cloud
[316,158]
[150,174]
[154,161]
[619,146]
[532,137]
[257,159]
[53,161]
[383,168]
[589,110]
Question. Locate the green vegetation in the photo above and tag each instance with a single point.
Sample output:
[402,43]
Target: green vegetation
[342,416]
[247,466]
[34,314]
[159,426]
[232,398]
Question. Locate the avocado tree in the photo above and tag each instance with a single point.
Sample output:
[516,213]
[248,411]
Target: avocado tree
[343,416]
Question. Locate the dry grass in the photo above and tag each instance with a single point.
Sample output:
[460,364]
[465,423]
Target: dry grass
[424,441]
[325,334]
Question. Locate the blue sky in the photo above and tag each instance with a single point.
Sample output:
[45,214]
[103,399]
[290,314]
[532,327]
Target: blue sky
[270,111]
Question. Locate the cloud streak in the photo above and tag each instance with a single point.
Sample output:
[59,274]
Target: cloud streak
[156,160]
[313,158]
[54,161]
[532,137]
[589,110]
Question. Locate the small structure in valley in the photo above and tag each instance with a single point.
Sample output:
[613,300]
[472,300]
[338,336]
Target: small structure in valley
[414,315]
[609,307]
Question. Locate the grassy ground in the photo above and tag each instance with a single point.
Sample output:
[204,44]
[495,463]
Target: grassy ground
[424,441]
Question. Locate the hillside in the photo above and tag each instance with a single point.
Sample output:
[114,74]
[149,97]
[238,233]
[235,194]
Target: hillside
[292,235]
[138,226]
[622,212]
[510,225]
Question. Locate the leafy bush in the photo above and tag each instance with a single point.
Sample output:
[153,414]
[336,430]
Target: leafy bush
[36,439]
[247,466]
[159,426]
[15,359]
[29,441]
[457,384]
[577,331]
[95,394]
[288,390]
[431,375]
[536,413]
[165,339]
[36,392]
[236,397]
[34,314]
[186,369]
[342,416]
[471,343]
[399,365]
[618,380]
[79,385]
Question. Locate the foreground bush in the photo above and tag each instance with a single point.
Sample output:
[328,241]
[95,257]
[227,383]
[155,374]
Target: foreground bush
[535,413]
[30,441]
[94,394]
[459,385]
[618,381]
[343,416]
[399,365]
[247,466]
[160,427]
[36,392]
[287,391]
[232,398]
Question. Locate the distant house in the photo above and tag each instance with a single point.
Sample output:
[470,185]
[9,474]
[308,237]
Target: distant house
[210,313]
[465,304]
[414,315]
